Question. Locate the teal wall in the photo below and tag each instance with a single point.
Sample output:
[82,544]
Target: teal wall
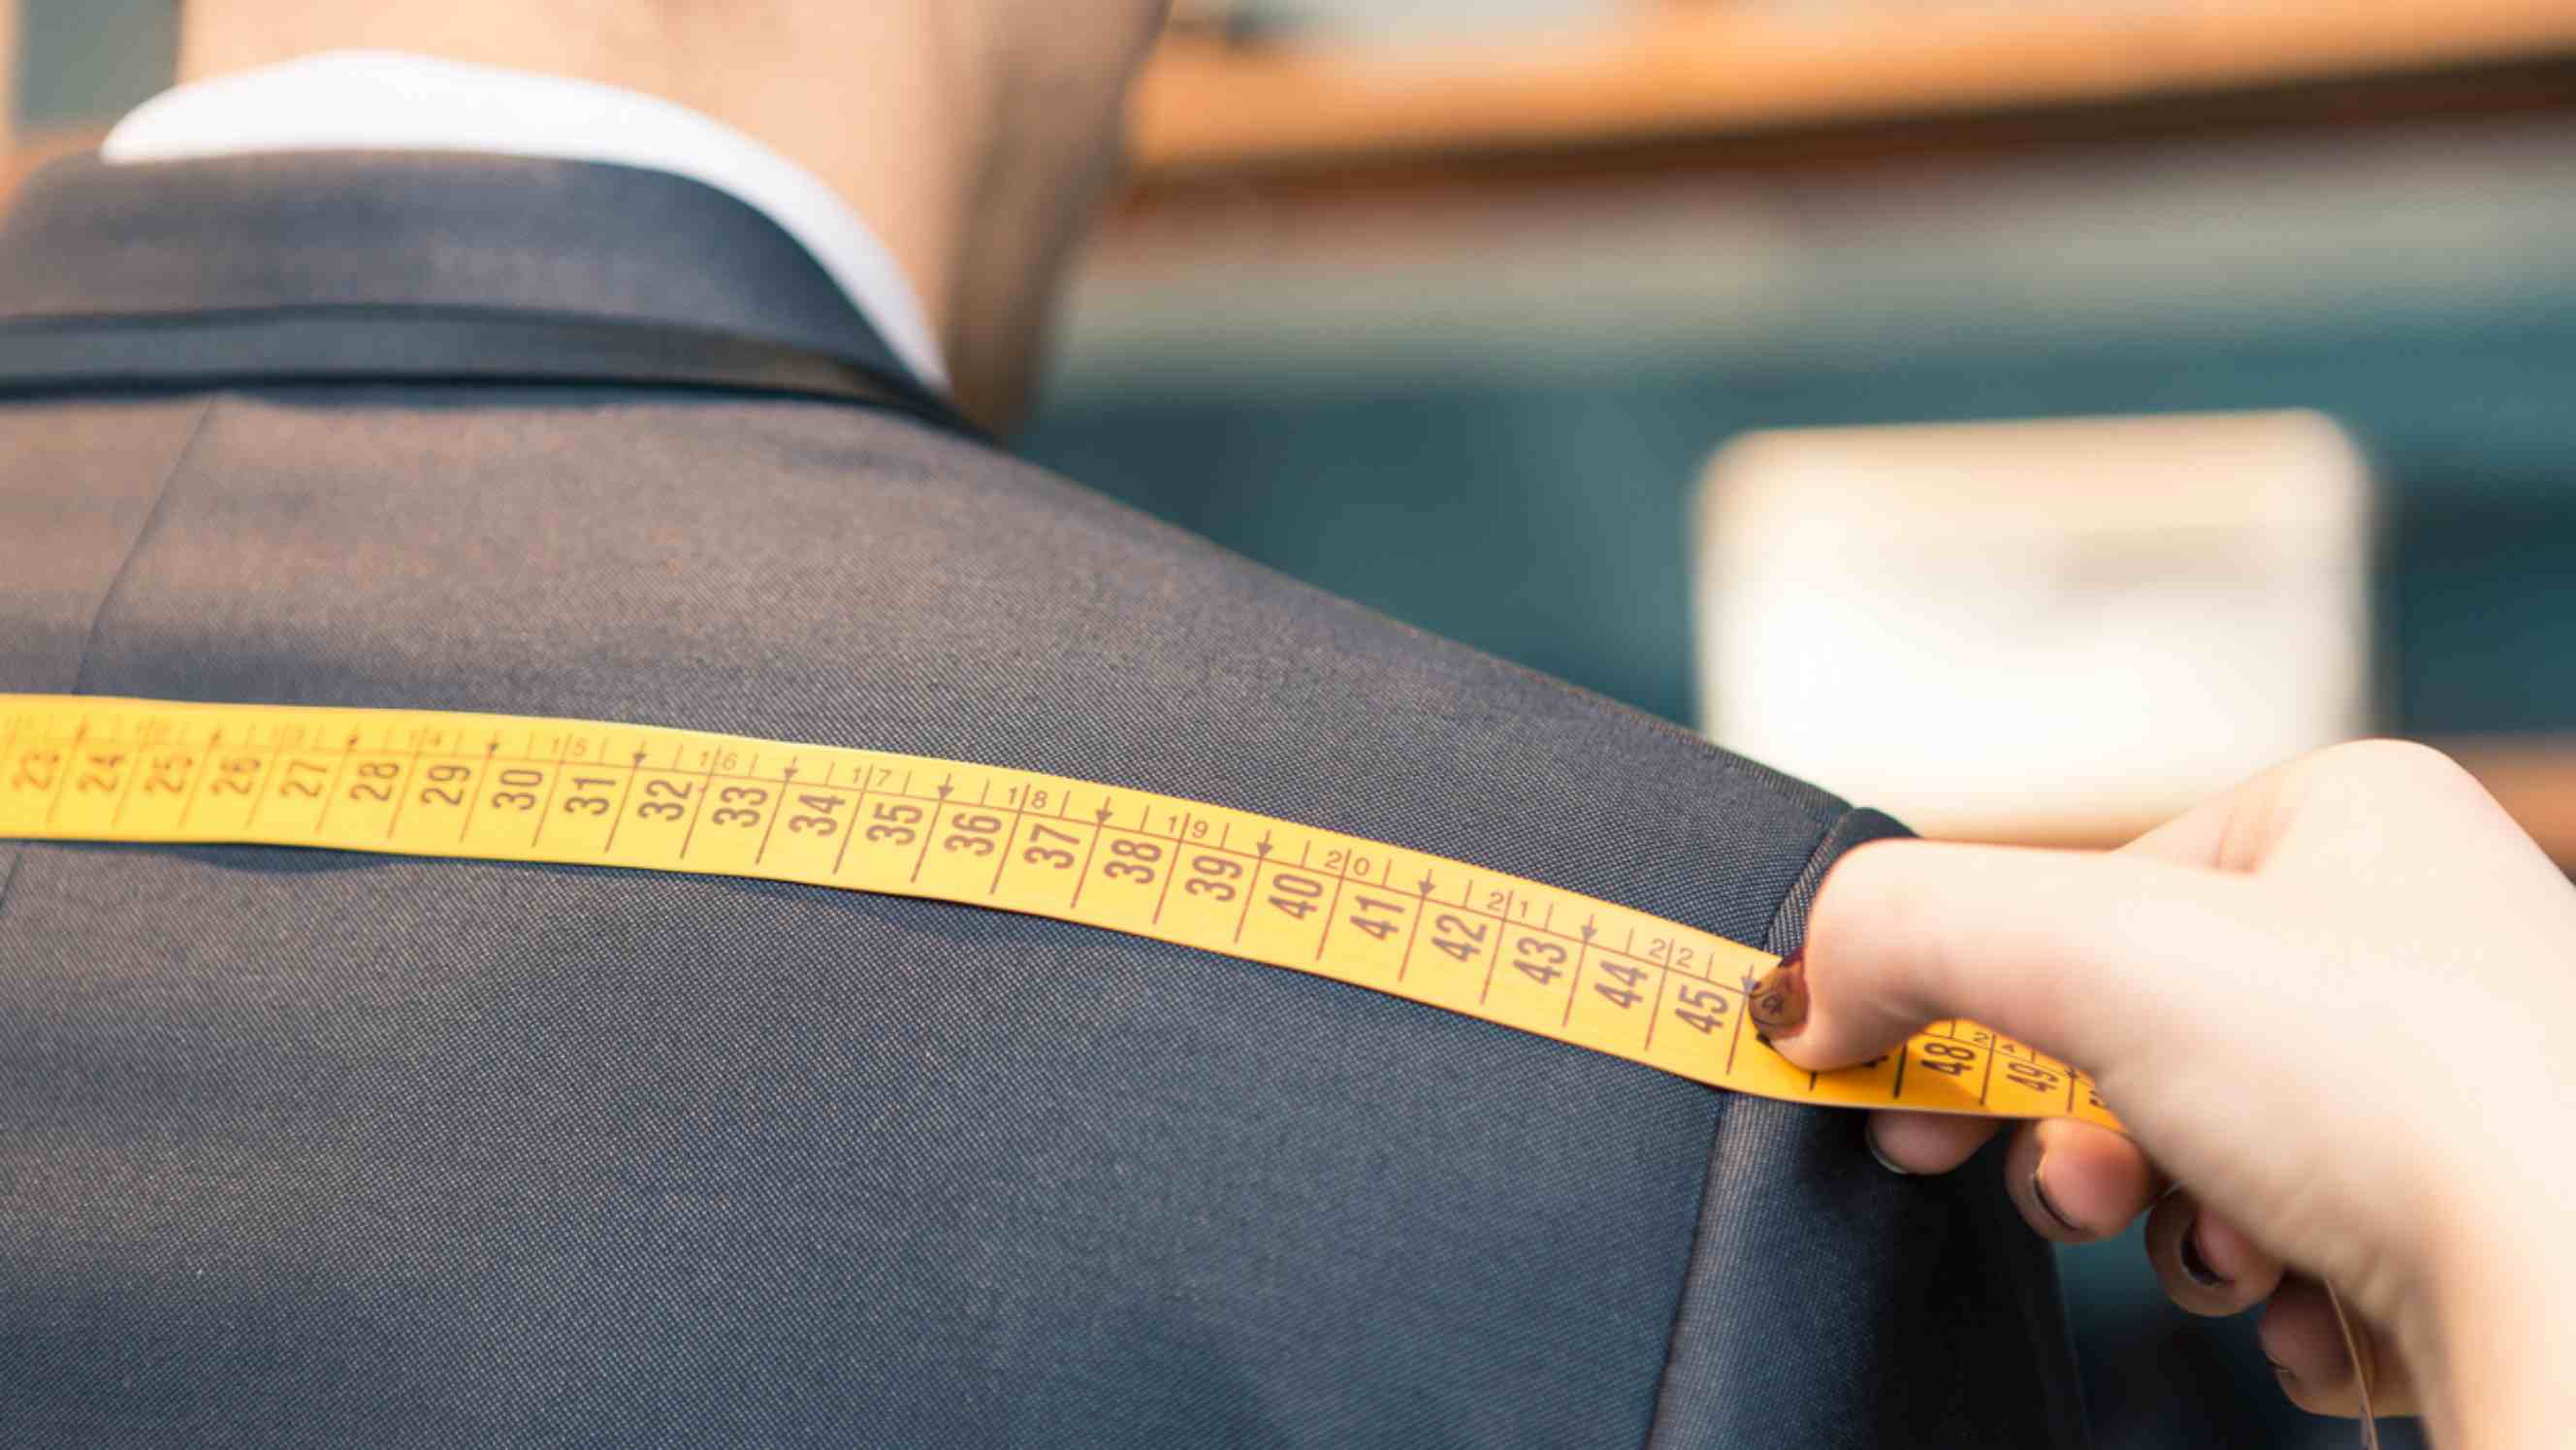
[89,60]
[1544,518]
[1503,448]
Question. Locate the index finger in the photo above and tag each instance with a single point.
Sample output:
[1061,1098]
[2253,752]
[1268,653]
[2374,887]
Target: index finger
[2065,950]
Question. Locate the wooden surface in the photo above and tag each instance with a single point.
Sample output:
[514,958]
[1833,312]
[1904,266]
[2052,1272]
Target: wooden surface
[2534,777]
[1680,73]
[1718,69]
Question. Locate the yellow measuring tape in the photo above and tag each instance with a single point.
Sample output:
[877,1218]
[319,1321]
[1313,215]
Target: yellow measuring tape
[1510,951]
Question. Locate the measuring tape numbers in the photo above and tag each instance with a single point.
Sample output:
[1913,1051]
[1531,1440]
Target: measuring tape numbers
[1515,952]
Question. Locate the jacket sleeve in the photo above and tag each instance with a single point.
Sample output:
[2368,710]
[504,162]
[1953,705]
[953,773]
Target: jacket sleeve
[1833,1304]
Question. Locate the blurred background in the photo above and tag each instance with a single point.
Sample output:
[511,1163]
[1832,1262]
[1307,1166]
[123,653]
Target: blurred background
[1607,335]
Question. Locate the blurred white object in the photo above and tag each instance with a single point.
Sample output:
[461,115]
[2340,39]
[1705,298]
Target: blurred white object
[2054,630]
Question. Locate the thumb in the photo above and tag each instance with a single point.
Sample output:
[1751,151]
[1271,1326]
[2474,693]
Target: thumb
[2071,952]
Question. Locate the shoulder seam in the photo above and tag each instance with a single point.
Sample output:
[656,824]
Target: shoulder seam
[1831,843]
[107,598]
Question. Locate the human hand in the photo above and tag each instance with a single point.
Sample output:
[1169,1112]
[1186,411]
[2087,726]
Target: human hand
[2335,1006]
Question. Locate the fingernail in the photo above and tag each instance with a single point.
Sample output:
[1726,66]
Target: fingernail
[1778,1001]
[1869,1136]
[2196,1264]
[2282,1370]
[2047,1205]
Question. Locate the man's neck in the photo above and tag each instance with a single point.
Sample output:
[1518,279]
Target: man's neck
[896,147]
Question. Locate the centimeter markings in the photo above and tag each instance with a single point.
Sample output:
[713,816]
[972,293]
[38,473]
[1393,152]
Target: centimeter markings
[1510,951]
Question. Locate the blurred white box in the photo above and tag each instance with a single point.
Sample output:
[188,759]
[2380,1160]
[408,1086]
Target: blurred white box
[2050,630]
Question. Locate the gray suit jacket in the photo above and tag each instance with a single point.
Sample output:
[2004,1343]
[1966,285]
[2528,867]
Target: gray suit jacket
[311,1148]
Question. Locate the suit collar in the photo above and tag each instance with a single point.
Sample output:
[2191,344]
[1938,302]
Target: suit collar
[389,101]
[349,233]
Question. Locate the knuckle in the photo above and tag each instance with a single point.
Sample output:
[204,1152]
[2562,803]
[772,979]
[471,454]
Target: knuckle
[1873,896]
[2400,765]
[2298,1393]
[2392,786]
[1851,900]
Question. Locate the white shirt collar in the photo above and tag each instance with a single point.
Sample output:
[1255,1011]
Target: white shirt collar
[388,101]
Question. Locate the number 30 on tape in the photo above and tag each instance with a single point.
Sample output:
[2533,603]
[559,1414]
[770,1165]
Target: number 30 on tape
[1513,952]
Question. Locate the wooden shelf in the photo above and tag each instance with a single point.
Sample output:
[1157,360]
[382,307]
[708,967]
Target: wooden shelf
[2535,778]
[1708,69]
[1712,69]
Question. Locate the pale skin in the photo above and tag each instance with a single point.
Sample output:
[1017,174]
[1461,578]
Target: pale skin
[2337,1008]
[976,137]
